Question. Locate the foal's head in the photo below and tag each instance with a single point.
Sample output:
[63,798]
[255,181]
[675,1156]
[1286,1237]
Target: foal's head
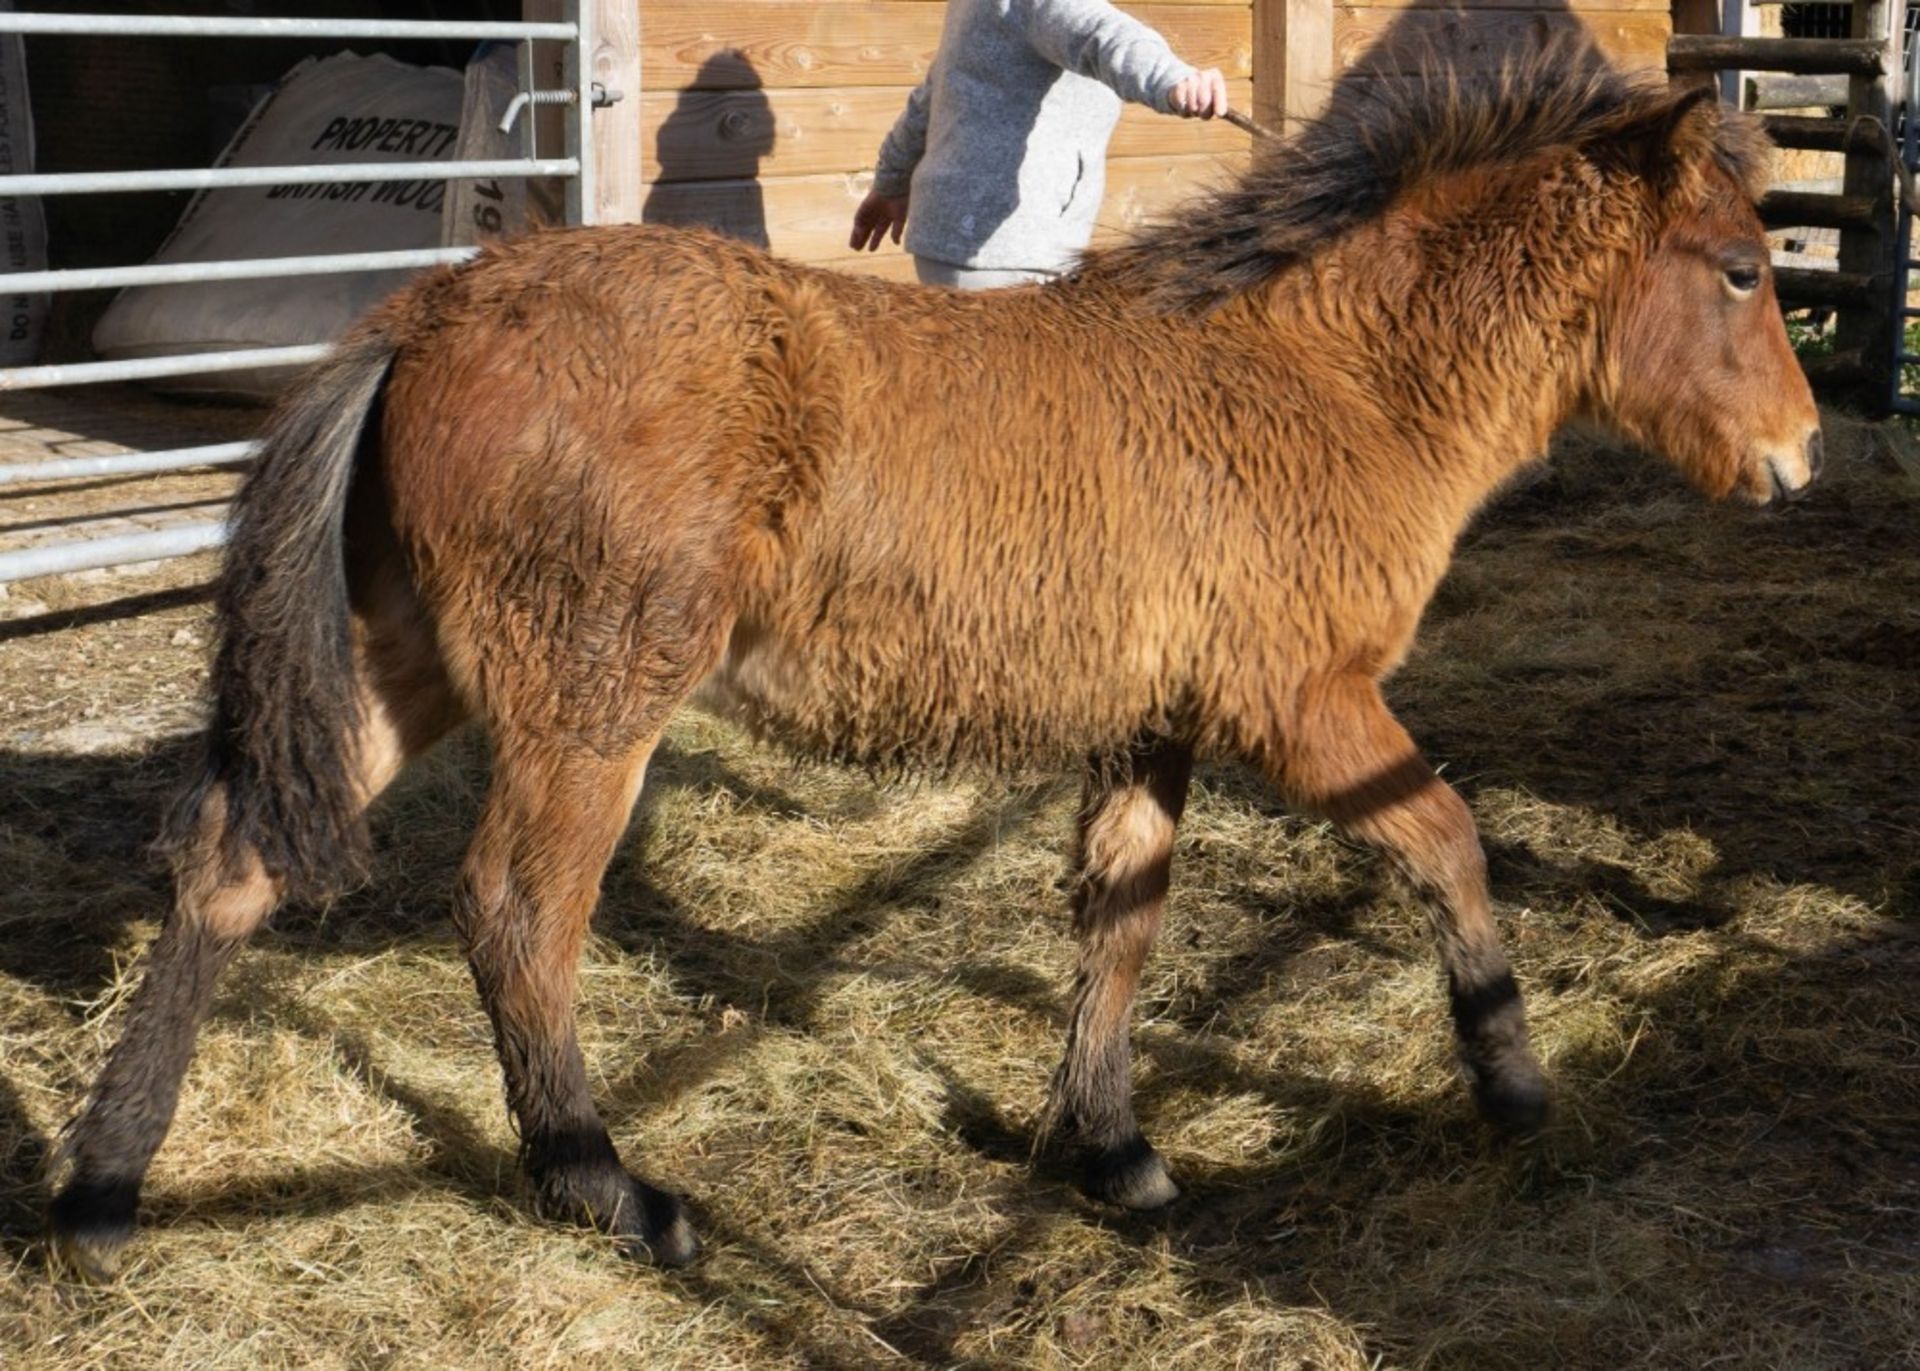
[1695,364]
[1681,341]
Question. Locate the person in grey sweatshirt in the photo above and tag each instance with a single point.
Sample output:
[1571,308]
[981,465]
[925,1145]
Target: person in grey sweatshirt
[1002,149]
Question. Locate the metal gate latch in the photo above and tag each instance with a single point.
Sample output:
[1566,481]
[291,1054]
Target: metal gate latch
[601,98]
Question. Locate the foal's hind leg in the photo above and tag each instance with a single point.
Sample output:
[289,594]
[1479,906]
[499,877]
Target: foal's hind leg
[1123,857]
[1350,758]
[220,898]
[218,902]
[553,815]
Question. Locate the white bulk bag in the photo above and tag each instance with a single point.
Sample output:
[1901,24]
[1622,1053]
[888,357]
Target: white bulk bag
[344,108]
[23,228]
[482,209]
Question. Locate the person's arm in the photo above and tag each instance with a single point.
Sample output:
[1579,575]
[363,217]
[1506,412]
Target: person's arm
[905,143]
[884,212]
[1094,39]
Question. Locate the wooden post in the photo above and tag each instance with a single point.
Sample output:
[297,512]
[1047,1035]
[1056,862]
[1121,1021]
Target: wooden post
[1293,64]
[1696,16]
[618,139]
[1869,328]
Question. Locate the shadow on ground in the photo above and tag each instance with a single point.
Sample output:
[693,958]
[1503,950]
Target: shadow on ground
[1777,735]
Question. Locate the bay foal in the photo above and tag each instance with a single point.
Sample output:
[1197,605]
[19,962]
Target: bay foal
[1192,499]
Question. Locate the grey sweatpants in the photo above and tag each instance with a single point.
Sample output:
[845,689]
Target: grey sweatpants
[936,273]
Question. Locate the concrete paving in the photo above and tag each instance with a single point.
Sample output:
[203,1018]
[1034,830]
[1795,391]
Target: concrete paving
[38,426]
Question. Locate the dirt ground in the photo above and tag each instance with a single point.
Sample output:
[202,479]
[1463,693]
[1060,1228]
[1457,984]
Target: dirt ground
[827,1009]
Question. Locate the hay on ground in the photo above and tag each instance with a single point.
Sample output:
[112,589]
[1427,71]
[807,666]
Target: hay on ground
[828,1010]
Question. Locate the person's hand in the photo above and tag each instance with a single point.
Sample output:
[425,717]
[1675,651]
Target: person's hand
[1202,95]
[878,216]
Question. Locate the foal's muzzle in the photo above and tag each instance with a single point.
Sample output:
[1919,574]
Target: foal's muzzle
[1792,475]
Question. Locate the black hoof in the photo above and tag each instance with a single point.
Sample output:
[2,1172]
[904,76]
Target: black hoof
[1500,1066]
[1130,1175]
[648,1224]
[664,1237]
[89,1225]
[1513,1101]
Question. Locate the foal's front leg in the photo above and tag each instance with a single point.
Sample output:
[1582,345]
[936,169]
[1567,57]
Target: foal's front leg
[1123,857]
[1349,758]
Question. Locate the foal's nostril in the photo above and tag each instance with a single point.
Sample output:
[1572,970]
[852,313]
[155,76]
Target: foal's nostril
[1816,454]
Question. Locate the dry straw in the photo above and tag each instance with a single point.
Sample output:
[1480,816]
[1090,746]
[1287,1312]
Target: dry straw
[828,1010]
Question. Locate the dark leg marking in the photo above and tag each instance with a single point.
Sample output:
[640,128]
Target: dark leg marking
[1349,758]
[111,1144]
[1491,1023]
[529,888]
[1123,857]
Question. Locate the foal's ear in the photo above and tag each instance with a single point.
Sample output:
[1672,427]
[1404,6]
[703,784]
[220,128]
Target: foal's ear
[1689,128]
[1679,140]
[1696,132]
[1662,131]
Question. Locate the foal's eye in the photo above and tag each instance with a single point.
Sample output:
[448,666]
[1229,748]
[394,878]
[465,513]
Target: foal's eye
[1743,281]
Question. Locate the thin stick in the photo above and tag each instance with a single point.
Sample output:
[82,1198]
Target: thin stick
[1248,124]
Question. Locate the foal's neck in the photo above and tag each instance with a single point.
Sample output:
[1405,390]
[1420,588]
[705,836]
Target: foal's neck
[1473,309]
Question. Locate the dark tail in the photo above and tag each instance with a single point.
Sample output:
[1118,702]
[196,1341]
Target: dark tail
[280,744]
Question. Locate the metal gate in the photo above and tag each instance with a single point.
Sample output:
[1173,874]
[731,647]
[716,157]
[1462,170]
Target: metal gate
[578,94]
[1904,397]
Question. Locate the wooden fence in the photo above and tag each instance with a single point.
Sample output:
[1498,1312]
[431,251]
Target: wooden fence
[762,117]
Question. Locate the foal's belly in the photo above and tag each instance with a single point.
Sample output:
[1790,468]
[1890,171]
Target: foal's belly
[909,700]
[760,680]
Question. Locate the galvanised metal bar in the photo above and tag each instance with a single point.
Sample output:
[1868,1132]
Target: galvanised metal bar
[221,178]
[126,463]
[55,559]
[583,198]
[1733,24]
[105,278]
[188,26]
[154,368]
[575,31]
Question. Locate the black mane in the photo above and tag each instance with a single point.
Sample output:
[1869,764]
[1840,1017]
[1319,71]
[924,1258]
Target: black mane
[1379,136]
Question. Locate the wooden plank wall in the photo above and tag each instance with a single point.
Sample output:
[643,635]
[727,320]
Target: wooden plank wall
[1384,35]
[763,117]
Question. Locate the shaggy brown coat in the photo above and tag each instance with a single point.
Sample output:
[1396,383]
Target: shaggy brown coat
[1192,499]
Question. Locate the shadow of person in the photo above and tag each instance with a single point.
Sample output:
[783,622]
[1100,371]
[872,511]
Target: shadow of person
[23,1161]
[709,150]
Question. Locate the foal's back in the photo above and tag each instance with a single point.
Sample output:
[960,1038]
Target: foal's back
[929,527]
